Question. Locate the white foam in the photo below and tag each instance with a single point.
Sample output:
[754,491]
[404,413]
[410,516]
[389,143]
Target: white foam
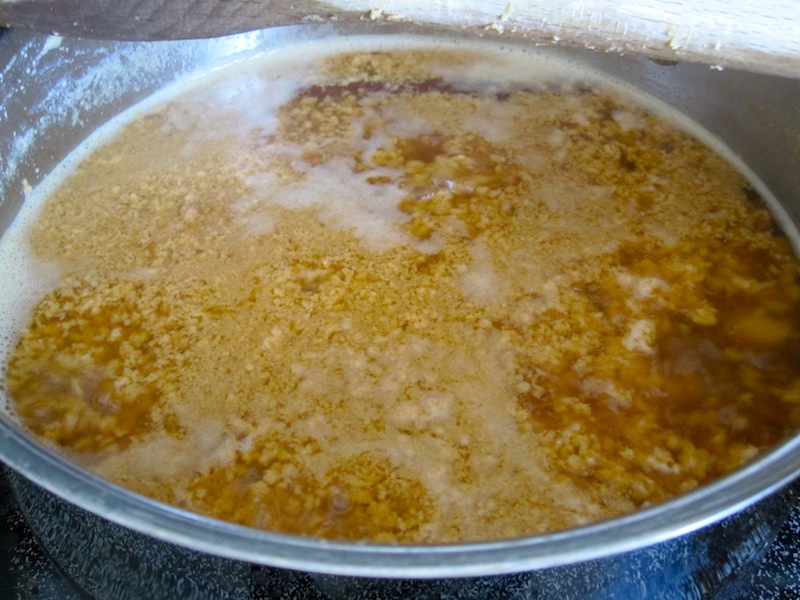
[343,200]
[242,101]
[499,127]
[480,282]
[506,67]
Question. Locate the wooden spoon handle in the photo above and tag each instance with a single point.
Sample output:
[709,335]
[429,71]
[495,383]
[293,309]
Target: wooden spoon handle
[761,36]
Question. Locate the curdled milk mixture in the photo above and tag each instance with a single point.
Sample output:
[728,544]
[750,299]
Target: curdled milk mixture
[404,292]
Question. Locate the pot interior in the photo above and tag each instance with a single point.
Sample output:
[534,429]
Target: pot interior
[74,86]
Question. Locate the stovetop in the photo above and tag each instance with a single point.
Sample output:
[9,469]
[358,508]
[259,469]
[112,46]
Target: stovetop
[27,573]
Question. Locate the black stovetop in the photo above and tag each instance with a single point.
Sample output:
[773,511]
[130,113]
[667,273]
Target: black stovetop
[26,572]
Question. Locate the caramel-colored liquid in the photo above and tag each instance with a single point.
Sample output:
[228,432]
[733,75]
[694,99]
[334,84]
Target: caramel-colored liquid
[410,309]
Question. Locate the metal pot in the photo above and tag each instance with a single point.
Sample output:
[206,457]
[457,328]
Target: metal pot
[56,91]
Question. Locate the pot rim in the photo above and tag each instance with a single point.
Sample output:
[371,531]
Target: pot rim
[673,518]
[661,522]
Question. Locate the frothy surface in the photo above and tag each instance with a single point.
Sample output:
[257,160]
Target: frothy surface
[405,294]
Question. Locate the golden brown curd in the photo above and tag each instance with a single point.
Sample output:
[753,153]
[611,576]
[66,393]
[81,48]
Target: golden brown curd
[409,295]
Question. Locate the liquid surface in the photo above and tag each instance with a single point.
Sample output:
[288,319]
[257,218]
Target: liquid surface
[423,295]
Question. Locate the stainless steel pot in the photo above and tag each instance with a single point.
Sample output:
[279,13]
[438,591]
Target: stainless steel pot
[55,91]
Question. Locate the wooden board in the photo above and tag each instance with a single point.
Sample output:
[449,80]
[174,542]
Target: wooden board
[762,36]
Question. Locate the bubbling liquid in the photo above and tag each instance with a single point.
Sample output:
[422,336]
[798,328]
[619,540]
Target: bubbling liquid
[405,292]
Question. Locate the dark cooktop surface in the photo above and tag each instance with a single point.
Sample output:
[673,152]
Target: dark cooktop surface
[26,572]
